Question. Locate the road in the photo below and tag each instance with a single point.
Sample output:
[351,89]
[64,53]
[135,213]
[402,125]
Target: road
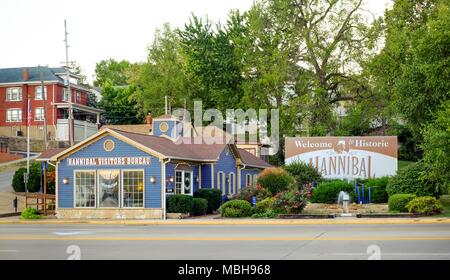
[261,242]
[5,181]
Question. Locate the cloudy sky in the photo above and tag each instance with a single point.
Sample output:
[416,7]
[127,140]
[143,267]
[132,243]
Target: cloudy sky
[32,31]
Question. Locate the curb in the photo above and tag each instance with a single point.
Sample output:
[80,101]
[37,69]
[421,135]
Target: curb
[343,221]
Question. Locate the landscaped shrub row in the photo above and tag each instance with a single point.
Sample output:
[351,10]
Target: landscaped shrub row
[213,196]
[303,173]
[327,192]
[377,186]
[275,180]
[247,193]
[236,209]
[411,180]
[427,205]
[398,202]
[180,203]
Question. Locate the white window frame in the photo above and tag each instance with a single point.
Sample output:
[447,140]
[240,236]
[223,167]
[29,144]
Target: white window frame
[42,114]
[75,188]
[19,115]
[98,189]
[18,96]
[65,95]
[221,178]
[122,190]
[36,93]
[183,174]
[231,183]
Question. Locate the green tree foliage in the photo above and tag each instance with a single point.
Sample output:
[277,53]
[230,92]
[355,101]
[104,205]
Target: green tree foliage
[118,106]
[113,72]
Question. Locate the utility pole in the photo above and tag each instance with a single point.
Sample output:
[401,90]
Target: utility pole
[70,119]
[44,99]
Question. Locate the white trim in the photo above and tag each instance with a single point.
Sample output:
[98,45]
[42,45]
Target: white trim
[30,83]
[200,176]
[17,109]
[15,100]
[43,115]
[221,182]
[121,188]
[231,190]
[212,175]
[74,202]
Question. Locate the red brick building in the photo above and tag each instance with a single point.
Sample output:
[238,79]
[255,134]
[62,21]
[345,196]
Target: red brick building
[17,85]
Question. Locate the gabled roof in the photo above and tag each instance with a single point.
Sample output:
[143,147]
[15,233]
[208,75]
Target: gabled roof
[165,148]
[134,128]
[14,75]
[251,160]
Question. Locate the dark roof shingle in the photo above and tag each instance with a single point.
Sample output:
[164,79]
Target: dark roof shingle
[14,75]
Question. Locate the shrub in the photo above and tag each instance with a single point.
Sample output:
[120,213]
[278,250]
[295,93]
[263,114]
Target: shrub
[266,214]
[424,205]
[236,209]
[213,196]
[264,205]
[377,189]
[398,202]
[413,180]
[34,180]
[303,173]
[200,206]
[291,202]
[248,192]
[180,203]
[327,192]
[30,213]
[275,180]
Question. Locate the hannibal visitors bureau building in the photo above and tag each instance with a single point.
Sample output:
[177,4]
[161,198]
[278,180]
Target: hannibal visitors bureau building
[120,174]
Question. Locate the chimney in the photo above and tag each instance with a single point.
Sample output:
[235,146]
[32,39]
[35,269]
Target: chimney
[25,74]
[149,119]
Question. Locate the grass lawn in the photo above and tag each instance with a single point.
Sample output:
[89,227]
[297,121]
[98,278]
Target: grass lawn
[403,163]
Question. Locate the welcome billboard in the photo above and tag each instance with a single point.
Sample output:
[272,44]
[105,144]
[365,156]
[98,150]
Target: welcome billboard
[345,157]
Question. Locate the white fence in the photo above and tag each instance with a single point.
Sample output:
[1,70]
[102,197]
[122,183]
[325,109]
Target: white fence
[82,130]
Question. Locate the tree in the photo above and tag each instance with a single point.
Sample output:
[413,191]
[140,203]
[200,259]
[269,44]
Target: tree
[118,106]
[113,72]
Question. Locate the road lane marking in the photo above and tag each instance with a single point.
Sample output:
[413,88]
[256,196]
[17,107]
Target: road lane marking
[244,238]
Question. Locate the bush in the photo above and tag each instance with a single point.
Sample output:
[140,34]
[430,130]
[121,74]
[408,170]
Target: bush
[427,205]
[377,189]
[398,202]
[303,173]
[236,209]
[413,180]
[291,202]
[213,196]
[34,182]
[265,205]
[30,213]
[200,206]
[266,214]
[275,180]
[180,203]
[248,192]
[327,192]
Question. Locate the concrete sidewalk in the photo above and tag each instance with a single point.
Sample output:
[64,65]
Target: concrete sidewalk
[336,221]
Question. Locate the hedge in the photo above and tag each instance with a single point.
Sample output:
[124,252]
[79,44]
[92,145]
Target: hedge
[264,205]
[412,180]
[180,203]
[30,213]
[327,192]
[303,173]
[424,205]
[398,202]
[377,186]
[236,209]
[200,206]
[213,196]
[275,180]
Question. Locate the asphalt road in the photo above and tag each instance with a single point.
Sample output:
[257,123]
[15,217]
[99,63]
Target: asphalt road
[259,242]
[5,181]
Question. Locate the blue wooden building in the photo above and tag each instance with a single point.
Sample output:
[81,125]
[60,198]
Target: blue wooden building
[125,175]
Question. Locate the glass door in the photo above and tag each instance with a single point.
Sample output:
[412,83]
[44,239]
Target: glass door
[108,188]
[187,182]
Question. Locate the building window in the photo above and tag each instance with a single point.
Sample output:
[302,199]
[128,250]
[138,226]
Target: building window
[231,183]
[38,93]
[221,182]
[255,177]
[133,188]
[183,182]
[248,180]
[14,115]
[85,189]
[108,188]
[78,97]
[14,94]
[178,181]
[65,95]
[39,114]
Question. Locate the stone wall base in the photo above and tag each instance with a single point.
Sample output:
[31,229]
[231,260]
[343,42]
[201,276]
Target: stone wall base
[120,214]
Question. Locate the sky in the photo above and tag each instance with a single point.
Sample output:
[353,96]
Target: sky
[32,31]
